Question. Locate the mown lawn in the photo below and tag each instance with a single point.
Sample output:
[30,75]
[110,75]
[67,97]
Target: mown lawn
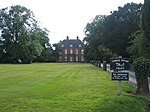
[63,87]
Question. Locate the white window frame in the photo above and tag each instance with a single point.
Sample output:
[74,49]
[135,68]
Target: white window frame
[77,51]
[71,58]
[65,58]
[71,51]
[66,51]
[77,58]
[82,51]
[82,58]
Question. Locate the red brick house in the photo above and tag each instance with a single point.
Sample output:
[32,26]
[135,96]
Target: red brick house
[71,50]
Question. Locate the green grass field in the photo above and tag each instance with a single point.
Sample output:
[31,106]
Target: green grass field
[63,87]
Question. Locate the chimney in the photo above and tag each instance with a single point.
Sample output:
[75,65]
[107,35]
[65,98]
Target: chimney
[67,37]
[77,37]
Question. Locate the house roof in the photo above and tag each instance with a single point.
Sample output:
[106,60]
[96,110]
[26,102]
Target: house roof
[74,42]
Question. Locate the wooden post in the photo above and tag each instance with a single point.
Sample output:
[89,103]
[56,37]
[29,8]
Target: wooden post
[104,65]
[119,87]
[99,64]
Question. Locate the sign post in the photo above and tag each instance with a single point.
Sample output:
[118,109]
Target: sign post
[120,76]
[119,64]
[119,87]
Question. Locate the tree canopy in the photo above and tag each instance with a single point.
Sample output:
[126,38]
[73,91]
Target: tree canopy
[146,18]
[140,40]
[112,32]
[21,39]
[146,28]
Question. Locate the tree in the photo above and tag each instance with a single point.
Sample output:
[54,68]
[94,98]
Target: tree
[105,53]
[46,55]
[146,28]
[119,25]
[112,32]
[56,51]
[94,34]
[40,48]
[146,18]
[21,38]
[140,50]
[142,66]
[136,44]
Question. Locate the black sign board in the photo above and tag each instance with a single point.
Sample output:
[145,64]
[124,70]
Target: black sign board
[120,76]
[119,64]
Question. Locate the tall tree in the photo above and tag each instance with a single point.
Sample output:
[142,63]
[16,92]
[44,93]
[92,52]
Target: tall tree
[146,28]
[140,49]
[146,18]
[94,34]
[112,31]
[21,39]
[119,25]
[56,51]
[136,45]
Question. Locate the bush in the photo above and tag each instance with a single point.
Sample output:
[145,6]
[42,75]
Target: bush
[142,67]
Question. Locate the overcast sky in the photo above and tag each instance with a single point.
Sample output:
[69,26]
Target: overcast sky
[67,17]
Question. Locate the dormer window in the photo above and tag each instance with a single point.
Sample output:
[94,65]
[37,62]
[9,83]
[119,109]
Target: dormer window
[79,45]
[71,45]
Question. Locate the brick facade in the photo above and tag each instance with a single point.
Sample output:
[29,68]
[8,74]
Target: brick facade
[71,50]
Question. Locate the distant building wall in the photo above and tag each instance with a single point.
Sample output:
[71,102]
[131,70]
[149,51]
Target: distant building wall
[71,50]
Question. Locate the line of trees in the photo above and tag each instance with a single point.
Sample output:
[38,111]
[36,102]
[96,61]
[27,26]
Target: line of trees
[21,38]
[108,36]
[126,33]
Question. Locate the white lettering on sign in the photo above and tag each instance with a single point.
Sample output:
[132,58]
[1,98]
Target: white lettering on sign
[120,76]
[124,60]
[116,60]
[119,64]
[120,68]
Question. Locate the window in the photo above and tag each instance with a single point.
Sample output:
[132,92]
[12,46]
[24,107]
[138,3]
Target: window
[71,45]
[71,51]
[80,45]
[77,58]
[65,51]
[71,58]
[65,58]
[60,57]
[82,58]
[62,45]
[82,51]
[76,51]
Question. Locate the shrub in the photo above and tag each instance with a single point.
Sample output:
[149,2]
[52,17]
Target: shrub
[142,67]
